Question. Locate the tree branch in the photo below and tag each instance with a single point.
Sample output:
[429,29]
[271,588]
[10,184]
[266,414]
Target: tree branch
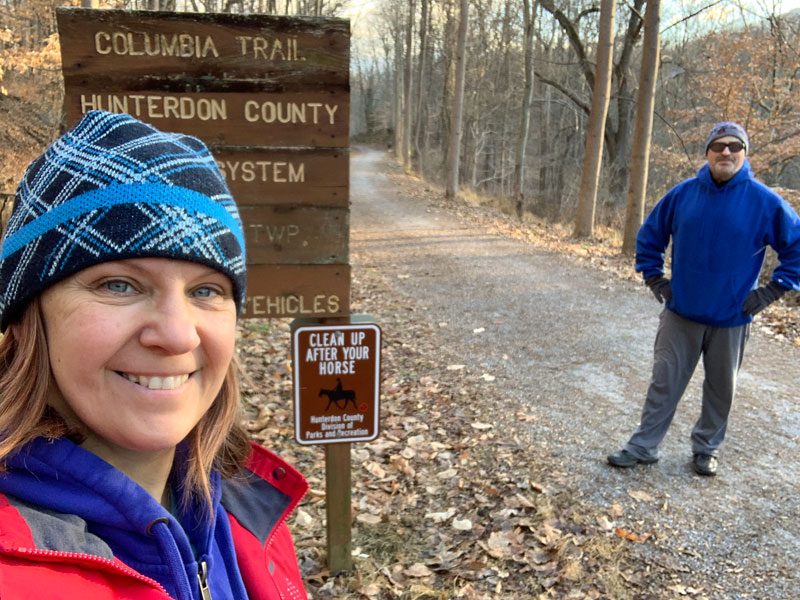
[571,95]
[694,14]
[574,40]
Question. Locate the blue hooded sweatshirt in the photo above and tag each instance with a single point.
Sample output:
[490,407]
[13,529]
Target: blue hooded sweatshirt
[719,237]
[122,520]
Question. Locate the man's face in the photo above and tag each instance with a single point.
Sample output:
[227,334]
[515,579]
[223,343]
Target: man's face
[724,164]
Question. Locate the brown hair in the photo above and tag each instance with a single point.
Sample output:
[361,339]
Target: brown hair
[218,441]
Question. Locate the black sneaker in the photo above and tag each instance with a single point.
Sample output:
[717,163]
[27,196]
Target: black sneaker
[626,460]
[705,464]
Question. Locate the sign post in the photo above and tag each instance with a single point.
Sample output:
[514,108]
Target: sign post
[336,369]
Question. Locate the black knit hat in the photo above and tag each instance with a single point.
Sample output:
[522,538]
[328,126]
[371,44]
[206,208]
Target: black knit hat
[113,188]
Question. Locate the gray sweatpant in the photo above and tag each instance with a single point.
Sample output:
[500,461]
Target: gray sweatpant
[679,344]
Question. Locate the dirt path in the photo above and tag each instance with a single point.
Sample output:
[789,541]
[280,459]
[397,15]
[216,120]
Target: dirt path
[573,347]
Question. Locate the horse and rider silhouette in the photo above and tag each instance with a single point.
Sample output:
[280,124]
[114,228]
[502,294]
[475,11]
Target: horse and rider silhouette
[337,394]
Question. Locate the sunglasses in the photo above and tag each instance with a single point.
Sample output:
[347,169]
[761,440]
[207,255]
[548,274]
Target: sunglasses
[718,147]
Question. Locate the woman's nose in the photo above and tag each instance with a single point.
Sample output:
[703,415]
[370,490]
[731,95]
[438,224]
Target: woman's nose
[171,325]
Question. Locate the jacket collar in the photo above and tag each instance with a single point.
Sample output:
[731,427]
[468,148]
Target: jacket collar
[265,493]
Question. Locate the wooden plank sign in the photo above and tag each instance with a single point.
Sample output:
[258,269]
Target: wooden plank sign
[279,176]
[275,52]
[297,291]
[314,118]
[270,96]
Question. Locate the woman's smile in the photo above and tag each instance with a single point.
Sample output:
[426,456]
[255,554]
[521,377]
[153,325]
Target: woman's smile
[156,382]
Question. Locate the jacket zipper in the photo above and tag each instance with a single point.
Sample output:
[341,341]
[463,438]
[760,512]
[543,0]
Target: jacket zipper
[202,579]
[116,566]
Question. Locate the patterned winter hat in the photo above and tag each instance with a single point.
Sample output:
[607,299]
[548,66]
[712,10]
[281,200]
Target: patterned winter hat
[728,128]
[113,188]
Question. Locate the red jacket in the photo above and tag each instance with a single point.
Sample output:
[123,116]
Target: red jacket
[264,548]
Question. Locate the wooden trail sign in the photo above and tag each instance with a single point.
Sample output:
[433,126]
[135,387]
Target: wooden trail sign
[270,96]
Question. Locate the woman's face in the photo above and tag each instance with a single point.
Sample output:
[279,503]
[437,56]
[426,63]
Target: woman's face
[139,349]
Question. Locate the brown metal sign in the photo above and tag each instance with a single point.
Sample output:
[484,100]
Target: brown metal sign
[336,383]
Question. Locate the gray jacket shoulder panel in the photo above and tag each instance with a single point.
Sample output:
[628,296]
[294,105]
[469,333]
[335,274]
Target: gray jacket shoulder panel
[60,532]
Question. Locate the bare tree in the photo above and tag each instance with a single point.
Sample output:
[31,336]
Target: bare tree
[421,84]
[640,155]
[593,156]
[408,104]
[458,104]
[529,15]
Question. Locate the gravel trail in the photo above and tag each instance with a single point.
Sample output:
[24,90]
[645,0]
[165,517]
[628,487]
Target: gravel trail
[574,346]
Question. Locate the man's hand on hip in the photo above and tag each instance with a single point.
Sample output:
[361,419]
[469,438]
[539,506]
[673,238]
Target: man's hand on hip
[660,287]
[760,298]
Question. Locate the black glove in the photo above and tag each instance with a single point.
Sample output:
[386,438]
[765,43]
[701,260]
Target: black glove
[760,298]
[660,287]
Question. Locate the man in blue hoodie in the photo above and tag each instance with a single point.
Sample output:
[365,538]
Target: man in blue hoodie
[720,223]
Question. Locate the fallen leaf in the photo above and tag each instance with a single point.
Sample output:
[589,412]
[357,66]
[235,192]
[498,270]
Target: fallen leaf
[462,524]
[547,534]
[375,469]
[303,519]
[439,517]
[368,519]
[487,377]
[454,367]
[418,570]
[370,591]
[632,537]
[604,522]
[640,495]
[481,426]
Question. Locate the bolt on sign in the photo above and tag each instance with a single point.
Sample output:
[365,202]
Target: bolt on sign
[270,96]
[336,383]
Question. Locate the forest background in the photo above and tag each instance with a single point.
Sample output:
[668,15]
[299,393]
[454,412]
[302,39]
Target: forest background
[518,106]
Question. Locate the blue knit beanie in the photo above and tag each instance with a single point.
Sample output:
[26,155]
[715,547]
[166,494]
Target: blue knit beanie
[728,128]
[113,188]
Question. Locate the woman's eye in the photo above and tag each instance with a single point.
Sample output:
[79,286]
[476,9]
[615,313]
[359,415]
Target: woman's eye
[205,292]
[118,287]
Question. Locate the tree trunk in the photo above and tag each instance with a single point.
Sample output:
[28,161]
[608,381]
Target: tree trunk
[408,102]
[397,102]
[593,155]
[421,86]
[454,150]
[525,113]
[640,156]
